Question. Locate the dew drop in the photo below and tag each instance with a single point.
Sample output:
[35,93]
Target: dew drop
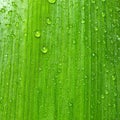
[3,10]
[52,1]
[115,94]
[113,78]
[96,29]
[102,96]
[10,12]
[14,4]
[37,34]
[97,7]
[44,50]
[83,21]
[7,25]
[106,92]
[70,104]
[49,21]
[93,1]
[74,42]
[103,14]
[25,34]
[17,24]
[93,54]
[40,69]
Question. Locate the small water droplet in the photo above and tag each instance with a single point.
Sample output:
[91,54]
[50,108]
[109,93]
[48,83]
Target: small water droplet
[1,98]
[114,105]
[70,104]
[91,117]
[103,0]
[115,94]
[97,7]
[96,29]
[3,10]
[10,12]
[74,42]
[93,1]
[106,92]
[14,4]
[37,34]
[44,50]
[113,77]
[48,21]
[7,83]
[103,14]
[83,21]
[93,54]
[102,96]
[40,68]
[7,25]
[25,34]
[17,24]
[52,1]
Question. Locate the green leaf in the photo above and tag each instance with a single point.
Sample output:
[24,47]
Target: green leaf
[59,60]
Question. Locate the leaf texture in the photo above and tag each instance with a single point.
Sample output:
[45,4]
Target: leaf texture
[59,60]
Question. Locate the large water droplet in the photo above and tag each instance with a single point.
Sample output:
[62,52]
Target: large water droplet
[52,1]
[44,50]
[37,34]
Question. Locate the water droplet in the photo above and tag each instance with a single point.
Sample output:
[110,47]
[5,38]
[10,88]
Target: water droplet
[1,98]
[14,4]
[25,34]
[91,117]
[96,29]
[103,14]
[93,1]
[7,83]
[70,104]
[74,41]
[102,96]
[115,94]
[17,24]
[37,34]
[44,50]
[97,7]
[118,9]
[7,25]
[10,12]
[48,21]
[106,92]
[113,77]
[83,21]
[114,105]
[52,1]
[3,10]
[93,54]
